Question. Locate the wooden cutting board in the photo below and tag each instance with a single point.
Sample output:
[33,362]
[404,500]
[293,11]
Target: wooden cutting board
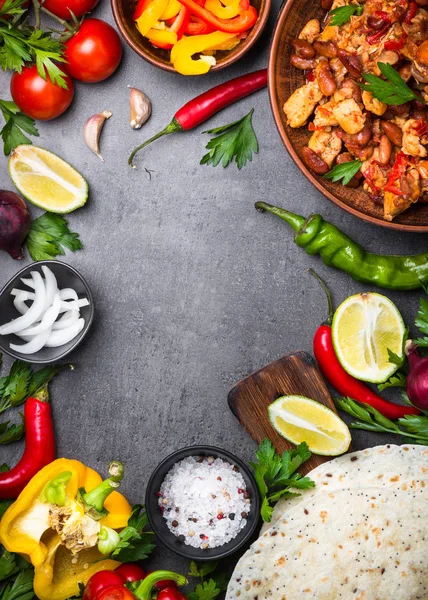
[295,373]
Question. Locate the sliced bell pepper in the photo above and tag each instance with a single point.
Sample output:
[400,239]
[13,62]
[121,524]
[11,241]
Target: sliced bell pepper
[195,26]
[150,16]
[398,169]
[223,11]
[182,52]
[167,38]
[26,528]
[171,10]
[242,22]
[141,7]
[396,44]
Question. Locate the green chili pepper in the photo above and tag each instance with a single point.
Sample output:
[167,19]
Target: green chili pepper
[338,250]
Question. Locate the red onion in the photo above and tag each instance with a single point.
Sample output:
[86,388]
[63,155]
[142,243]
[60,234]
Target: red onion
[417,379]
[14,223]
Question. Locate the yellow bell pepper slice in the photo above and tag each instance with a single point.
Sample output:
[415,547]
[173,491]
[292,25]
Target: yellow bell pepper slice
[184,49]
[223,10]
[162,36]
[150,16]
[171,10]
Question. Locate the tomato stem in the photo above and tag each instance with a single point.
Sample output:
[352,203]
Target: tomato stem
[144,589]
[69,27]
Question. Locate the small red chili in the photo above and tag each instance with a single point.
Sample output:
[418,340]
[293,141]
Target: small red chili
[396,44]
[410,13]
[374,38]
[336,375]
[39,445]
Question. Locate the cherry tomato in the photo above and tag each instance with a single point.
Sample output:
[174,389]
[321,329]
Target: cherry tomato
[94,52]
[115,592]
[39,98]
[131,572]
[165,583]
[171,593]
[61,8]
[101,580]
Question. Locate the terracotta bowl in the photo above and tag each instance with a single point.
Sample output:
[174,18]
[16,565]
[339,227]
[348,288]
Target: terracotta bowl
[123,11]
[283,80]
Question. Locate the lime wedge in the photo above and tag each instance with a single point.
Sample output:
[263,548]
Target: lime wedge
[299,419]
[364,327]
[46,180]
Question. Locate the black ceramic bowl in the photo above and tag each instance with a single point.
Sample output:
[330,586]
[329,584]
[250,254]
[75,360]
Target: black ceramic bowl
[66,277]
[158,523]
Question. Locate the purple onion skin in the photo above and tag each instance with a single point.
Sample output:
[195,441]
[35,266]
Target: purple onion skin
[14,223]
[417,379]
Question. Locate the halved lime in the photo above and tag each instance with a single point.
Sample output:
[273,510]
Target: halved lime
[46,180]
[299,419]
[364,327]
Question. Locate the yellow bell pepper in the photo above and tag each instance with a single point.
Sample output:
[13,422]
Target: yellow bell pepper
[151,16]
[224,10]
[171,10]
[184,49]
[162,36]
[26,527]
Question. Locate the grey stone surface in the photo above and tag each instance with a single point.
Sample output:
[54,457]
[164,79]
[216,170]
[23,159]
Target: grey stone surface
[194,289]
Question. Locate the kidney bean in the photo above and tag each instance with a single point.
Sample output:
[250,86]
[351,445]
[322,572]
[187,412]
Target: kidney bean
[360,139]
[314,162]
[344,157]
[302,48]
[385,150]
[400,109]
[351,62]
[420,114]
[422,53]
[325,78]
[354,90]
[326,4]
[327,49]
[422,2]
[376,23]
[378,200]
[353,183]
[305,64]
[364,153]
[405,71]
[393,132]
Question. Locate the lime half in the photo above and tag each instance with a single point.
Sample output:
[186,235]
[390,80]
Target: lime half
[299,419]
[364,327]
[46,180]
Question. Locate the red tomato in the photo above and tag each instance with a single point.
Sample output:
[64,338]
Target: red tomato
[39,98]
[61,8]
[101,580]
[171,593]
[165,583]
[94,52]
[115,592]
[131,572]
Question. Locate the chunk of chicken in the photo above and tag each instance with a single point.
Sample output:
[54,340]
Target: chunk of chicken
[349,116]
[301,104]
[372,104]
[411,140]
[326,145]
[310,31]
[324,116]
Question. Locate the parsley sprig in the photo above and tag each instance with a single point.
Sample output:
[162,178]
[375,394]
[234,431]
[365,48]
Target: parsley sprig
[10,432]
[414,428]
[16,577]
[342,14]
[207,589]
[16,123]
[344,171]
[48,236]
[276,475]
[392,91]
[236,141]
[136,543]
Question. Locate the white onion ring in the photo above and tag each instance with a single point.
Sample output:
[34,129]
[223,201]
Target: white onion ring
[33,313]
[22,294]
[69,317]
[34,345]
[63,336]
[48,319]
[50,285]
[28,281]
[68,294]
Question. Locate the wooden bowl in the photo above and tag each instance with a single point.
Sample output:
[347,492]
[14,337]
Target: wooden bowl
[283,81]
[123,11]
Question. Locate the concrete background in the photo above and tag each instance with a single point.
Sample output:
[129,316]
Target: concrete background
[193,288]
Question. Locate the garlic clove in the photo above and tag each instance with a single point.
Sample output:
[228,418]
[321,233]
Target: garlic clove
[92,131]
[141,108]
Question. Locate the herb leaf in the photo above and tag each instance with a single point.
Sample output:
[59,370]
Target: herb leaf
[10,432]
[136,544]
[396,380]
[234,141]
[16,124]
[49,235]
[393,91]
[21,588]
[206,590]
[344,171]
[342,14]
[277,475]
[421,323]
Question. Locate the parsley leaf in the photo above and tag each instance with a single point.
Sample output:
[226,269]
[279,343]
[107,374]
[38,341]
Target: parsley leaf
[342,14]
[16,124]
[207,590]
[396,380]
[234,141]
[277,475]
[345,171]
[21,588]
[393,91]
[421,323]
[49,235]
[10,432]
[136,544]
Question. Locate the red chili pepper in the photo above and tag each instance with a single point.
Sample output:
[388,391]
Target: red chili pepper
[410,13]
[39,445]
[201,108]
[396,44]
[374,38]
[336,375]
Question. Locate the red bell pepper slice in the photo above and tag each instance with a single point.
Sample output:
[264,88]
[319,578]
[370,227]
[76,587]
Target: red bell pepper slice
[196,26]
[178,26]
[141,7]
[242,22]
[396,44]
[398,169]
[374,38]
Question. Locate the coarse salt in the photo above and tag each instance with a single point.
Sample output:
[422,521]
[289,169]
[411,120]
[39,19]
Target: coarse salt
[204,501]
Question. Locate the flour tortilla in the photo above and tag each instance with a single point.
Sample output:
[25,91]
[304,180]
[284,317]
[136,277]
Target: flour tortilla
[351,544]
[397,467]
